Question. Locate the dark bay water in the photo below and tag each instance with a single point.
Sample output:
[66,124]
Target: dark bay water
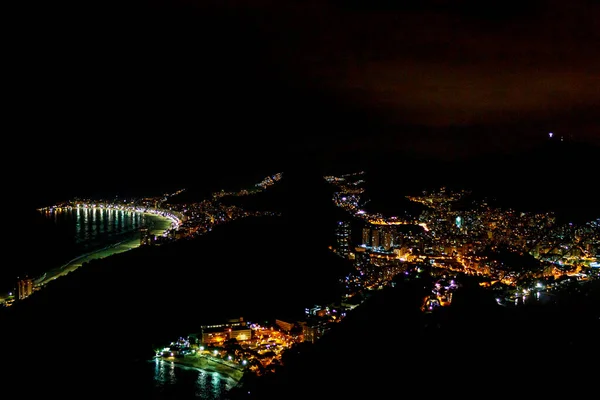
[41,241]
[158,379]
[46,240]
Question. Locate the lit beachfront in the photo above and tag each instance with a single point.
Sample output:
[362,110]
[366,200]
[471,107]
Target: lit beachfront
[160,225]
[169,222]
[199,362]
[160,222]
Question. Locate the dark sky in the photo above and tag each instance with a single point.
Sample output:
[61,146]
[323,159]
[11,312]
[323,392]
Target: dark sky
[218,78]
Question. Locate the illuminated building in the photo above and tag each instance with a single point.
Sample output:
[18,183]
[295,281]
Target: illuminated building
[366,236]
[342,234]
[313,329]
[285,326]
[388,239]
[214,335]
[232,329]
[312,311]
[25,288]
[145,237]
[375,238]
[240,333]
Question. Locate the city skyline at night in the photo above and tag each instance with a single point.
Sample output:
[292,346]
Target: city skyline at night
[256,199]
[447,238]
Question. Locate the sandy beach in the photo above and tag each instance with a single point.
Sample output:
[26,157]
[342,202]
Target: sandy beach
[160,225]
[205,364]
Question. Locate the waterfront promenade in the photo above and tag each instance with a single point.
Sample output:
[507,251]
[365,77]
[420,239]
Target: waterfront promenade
[160,225]
[206,364]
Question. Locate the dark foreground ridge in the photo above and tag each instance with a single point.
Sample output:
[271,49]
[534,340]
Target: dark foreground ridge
[109,314]
[387,348]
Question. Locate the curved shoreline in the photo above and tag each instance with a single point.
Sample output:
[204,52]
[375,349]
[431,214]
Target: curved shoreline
[204,364]
[113,248]
[171,221]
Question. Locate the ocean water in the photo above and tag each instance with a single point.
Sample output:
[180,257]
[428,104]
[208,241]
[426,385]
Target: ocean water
[112,378]
[44,241]
[172,381]
[157,379]
[41,241]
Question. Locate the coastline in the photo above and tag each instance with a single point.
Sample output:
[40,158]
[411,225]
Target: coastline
[160,225]
[114,248]
[205,364]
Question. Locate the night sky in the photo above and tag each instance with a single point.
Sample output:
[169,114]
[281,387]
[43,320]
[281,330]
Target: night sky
[207,81]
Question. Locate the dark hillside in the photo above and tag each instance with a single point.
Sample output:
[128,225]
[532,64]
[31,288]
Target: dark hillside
[257,268]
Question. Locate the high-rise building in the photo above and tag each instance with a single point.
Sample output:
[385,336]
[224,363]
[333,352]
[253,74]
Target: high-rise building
[146,238]
[375,238]
[387,239]
[314,329]
[25,287]
[342,234]
[366,236]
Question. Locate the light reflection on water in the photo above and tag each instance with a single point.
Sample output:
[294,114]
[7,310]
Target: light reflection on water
[173,380]
[91,224]
[81,231]
[163,380]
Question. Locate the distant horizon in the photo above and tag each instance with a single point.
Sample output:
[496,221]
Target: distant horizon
[387,161]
